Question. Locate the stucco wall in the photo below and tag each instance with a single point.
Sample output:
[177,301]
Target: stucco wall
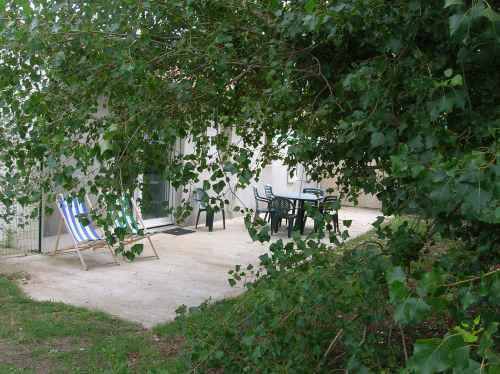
[274,174]
[364,200]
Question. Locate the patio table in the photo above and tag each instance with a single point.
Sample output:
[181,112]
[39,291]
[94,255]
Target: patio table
[302,198]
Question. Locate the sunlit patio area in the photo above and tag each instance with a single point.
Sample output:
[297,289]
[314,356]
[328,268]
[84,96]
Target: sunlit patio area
[192,268]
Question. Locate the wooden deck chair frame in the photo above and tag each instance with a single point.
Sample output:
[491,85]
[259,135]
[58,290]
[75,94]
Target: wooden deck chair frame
[146,233]
[133,223]
[78,246]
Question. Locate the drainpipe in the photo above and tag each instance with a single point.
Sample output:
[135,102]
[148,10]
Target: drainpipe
[40,225]
[40,215]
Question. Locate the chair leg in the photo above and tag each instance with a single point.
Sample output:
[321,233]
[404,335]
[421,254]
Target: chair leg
[113,254]
[303,224]
[274,224]
[82,261]
[197,219]
[290,227]
[59,231]
[209,219]
[223,219]
[153,247]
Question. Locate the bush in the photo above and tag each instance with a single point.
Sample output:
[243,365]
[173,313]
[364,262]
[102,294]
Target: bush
[347,308]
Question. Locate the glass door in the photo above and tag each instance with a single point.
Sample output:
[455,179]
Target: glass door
[157,196]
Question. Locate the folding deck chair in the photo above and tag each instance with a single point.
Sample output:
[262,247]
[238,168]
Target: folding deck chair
[85,236]
[129,218]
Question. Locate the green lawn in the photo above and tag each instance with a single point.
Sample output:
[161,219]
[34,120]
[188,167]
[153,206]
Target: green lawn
[46,337]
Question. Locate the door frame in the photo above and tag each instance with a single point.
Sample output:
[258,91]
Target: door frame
[160,221]
[172,198]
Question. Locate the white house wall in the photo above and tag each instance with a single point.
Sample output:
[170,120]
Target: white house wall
[275,174]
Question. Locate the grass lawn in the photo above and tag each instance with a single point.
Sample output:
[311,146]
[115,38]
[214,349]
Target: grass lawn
[46,337]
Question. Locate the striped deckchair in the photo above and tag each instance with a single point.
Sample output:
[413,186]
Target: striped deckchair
[129,218]
[84,235]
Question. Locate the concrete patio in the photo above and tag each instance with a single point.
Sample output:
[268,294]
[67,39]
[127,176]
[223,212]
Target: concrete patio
[192,269]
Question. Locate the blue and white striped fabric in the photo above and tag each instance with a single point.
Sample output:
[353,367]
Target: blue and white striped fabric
[70,212]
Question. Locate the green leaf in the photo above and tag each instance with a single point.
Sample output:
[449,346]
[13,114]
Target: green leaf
[219,354]
[438,355]
[467,336]
[468,299]
[456,21]
[396,274]
[430,283]
[137,248]
[275,4]
[347,222]
[248,340]
[487,342]
[219,186]
[398,291]
[492,15]
[310,6]
[411,310]
[497,214]
[449,3]
[377,139]
[59,58]
[457,80]
[429,357]
[494,369]
[394,45]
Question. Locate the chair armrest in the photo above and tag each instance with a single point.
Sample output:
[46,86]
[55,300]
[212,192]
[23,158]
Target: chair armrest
[263,200]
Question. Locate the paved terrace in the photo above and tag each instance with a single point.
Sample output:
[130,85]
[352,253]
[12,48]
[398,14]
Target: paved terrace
[191,269]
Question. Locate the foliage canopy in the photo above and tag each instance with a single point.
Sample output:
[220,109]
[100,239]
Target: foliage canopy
[395,98]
